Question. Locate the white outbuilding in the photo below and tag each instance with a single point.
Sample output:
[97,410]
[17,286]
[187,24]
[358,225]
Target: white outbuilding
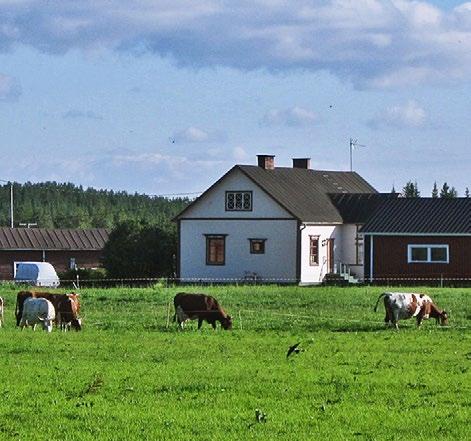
[276,224]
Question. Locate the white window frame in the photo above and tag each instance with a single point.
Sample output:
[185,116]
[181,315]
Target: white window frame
[429,253]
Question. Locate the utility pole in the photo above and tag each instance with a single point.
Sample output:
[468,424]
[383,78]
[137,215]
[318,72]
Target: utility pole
[353,144]
[11,201]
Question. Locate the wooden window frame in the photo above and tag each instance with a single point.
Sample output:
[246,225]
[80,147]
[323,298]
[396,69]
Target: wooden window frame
[428,247]
[311,239]
[250,192]
[209,238]
[253,241]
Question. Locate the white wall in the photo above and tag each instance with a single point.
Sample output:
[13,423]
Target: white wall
[315,273]
[344,251]
[278,262]
[213,204]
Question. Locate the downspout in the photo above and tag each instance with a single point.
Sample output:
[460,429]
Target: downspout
[371,258]
[44,255]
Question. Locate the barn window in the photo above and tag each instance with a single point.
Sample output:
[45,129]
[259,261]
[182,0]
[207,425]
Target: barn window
[216,249]
[313,250]
[238,201]
[427,253]
[257,246]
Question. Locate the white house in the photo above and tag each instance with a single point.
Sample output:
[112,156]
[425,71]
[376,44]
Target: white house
[276,224]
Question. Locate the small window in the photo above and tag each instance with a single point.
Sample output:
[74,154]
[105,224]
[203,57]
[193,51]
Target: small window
[313,250]
[215,250]
[427,253]
[72,263]
[257,246]
[238,201]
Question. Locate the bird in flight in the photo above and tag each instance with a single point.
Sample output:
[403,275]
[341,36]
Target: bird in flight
[294,349]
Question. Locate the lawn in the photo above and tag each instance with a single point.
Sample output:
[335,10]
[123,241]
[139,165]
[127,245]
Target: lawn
[128,375]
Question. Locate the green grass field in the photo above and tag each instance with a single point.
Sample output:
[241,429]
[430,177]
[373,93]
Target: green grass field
[129,376]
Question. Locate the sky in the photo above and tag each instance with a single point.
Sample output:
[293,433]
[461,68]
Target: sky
[164,96]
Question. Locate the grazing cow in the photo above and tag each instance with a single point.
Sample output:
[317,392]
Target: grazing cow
[201,307]
[55,299]
[1,312]
[400,305]
[38,310]
[67,313]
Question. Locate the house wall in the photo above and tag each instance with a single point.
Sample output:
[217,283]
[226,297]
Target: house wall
[278,262]
[344,251]
[390,257]
[212,205]
[59,259]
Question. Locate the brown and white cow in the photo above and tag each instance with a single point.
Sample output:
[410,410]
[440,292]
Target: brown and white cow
[67,313]
[1,312]
[54,298]
[401,305]
[200,307]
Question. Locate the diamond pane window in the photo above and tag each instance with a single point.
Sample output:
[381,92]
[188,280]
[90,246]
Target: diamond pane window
[238,201]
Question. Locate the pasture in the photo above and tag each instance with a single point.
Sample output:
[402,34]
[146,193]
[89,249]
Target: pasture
[127,376]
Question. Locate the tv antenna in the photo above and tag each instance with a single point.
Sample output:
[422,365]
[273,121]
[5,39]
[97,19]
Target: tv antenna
[353,144]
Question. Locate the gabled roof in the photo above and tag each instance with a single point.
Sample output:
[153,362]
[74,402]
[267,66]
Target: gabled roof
[52,239]
[421,216]
[305,192]
[357,208]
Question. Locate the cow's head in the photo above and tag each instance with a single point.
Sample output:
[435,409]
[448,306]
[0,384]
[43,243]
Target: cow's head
[76,324]
[226,322]
[443,318]
[46,323]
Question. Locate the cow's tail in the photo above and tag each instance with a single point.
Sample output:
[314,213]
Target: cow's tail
[377,301]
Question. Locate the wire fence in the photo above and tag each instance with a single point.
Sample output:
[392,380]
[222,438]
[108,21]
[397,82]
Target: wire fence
[431,281]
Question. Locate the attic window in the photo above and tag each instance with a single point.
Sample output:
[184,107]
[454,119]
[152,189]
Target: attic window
[238,201]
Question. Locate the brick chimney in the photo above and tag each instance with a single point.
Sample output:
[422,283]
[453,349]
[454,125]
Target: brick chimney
[302,163]
[266,162]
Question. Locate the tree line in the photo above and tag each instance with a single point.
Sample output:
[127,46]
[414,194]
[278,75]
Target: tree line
[411,190]
[65,205]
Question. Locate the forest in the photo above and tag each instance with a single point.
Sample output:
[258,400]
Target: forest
[65,205]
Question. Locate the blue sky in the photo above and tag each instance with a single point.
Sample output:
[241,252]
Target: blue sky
[163,97]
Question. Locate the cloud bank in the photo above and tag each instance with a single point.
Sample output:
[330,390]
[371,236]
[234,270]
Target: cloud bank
[409,115]
[373,43]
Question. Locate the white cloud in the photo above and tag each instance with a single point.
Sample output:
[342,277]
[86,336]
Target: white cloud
[10,89]
[409,115]
[197,135]
[369,42]
[293,117]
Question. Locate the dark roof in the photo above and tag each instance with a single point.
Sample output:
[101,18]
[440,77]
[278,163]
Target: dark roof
[357,208]
[52,239]
[422,216]
[305,193]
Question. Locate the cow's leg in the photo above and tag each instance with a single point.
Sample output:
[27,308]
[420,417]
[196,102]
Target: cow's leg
[213,324]
[34,327]
[200,322]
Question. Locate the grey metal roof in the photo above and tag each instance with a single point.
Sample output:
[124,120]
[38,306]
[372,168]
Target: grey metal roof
[304,192]
[52,239]
[357,208]
[421,216]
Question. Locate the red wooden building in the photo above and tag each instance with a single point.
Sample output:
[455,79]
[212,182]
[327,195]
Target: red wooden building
[419,238]
[64,248]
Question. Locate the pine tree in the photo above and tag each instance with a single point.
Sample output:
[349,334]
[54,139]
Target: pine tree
[435,190]
[447,192]
[411,190]
[466,192]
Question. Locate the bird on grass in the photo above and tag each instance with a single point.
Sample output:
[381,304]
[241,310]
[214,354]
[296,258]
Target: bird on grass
[260,417]
[295,349]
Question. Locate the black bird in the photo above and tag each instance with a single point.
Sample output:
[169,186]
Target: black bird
[294,349]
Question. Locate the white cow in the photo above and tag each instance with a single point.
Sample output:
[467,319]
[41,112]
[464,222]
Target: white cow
[1,312]
[38,310]
[404,305]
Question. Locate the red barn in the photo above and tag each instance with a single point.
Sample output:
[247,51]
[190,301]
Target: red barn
[419,238]
[63,248]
